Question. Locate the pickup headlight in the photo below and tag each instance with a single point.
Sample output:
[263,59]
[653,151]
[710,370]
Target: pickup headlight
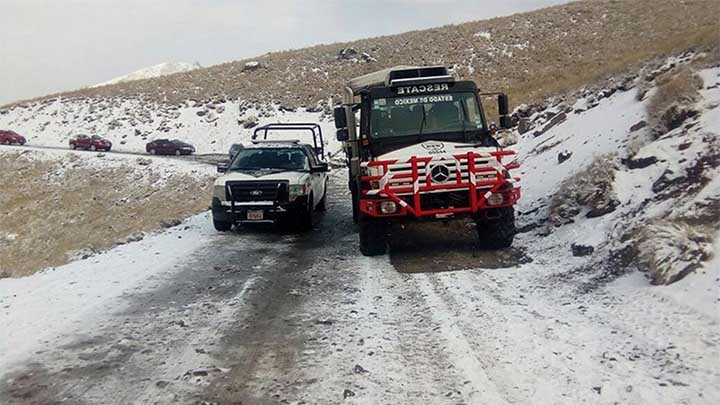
[297,190]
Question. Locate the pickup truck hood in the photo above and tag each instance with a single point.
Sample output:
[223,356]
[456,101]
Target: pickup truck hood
[292,177]
[434,148]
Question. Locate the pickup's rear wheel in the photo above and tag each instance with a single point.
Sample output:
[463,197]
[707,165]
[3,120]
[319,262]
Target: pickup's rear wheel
[93,148]
[497,233]
[322,205]
[152,152]
[373,237]
[222,226]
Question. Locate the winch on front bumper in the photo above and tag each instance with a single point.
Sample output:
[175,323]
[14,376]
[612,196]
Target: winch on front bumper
[438,186]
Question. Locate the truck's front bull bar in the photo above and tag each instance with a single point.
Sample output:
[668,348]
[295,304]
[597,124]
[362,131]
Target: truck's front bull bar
[380,187]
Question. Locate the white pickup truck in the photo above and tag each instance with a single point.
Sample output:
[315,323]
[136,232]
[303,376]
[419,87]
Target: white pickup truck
[270,181]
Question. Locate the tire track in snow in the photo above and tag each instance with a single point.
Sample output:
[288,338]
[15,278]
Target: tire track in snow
[140,355]
[460,350]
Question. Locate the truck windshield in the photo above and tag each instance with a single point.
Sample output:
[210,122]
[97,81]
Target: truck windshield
[426,114]
[270,158]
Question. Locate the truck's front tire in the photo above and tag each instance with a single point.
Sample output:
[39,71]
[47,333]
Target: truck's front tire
[222,226]
[373,237]
[355,204]
[497,233]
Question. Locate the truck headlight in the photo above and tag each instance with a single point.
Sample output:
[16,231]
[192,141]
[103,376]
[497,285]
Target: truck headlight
[297,190]
[495,199]
[388,207]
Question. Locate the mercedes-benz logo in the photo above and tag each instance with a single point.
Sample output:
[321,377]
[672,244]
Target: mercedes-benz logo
[440,173]
[256,193]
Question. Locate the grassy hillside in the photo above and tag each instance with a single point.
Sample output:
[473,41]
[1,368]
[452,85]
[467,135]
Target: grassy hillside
[530,55]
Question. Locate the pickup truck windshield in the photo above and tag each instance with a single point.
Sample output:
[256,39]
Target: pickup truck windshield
[270,158]
[424,114]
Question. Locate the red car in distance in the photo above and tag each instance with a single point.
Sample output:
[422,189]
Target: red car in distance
[90,143]
[8,137]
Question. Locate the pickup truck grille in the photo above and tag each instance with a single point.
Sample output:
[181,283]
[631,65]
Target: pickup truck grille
[244,191]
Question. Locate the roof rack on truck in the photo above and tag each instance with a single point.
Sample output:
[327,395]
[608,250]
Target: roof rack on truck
[312,127]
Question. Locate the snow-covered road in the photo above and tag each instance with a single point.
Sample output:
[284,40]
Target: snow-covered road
[190,315]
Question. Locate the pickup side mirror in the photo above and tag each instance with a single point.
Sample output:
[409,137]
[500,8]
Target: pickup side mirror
[343,135]
[321,167]
[222,167]
[340,118]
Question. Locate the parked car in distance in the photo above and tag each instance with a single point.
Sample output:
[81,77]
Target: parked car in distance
[8,137]
[86,142]
[169,147]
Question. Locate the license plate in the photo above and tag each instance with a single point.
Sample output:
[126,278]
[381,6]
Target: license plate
[255,215]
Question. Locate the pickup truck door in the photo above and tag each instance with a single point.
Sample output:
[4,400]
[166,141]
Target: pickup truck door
[317,179]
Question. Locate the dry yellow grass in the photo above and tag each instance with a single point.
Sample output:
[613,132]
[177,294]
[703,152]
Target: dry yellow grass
[675,92]
[48,209]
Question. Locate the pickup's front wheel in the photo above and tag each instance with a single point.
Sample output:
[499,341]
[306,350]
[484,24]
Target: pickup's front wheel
[305,218]
[222,226]
[373,237]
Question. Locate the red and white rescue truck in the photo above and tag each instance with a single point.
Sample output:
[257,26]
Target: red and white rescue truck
[419,147]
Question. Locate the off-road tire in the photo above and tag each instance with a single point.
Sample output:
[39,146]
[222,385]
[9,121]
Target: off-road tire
[322,205]
[373,237]
[355,206]
[305,217]
[222,226]
[498,233]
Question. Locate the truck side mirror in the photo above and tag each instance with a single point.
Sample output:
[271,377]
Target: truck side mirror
[340,118]
[222,167]
[503,105]
[343,135]
[505,122]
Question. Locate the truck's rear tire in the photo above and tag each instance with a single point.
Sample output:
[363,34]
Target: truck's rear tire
[498,233]
[222,226]
[373,237]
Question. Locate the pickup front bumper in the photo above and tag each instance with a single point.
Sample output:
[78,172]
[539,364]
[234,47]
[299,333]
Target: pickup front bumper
[272,211]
